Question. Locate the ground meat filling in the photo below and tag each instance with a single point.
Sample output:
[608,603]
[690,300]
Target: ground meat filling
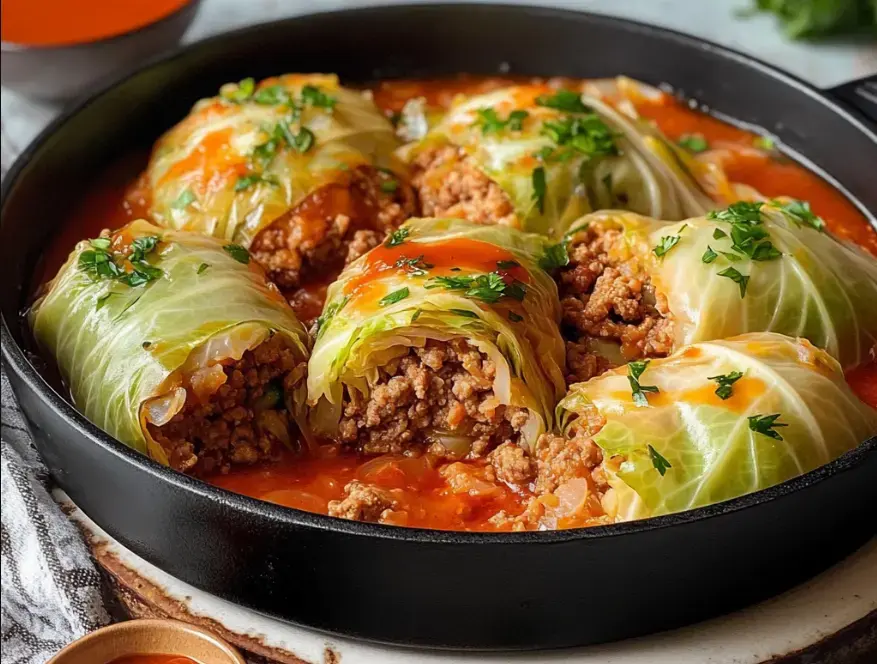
[611,300]
[444,386]
[336,224]
[232,426]
[363,502]
[450,185]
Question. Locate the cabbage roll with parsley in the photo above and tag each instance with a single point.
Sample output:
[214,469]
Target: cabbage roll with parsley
[176,344]
[297,169]
[443,339]
[537,158]
[714,421]
[632,287]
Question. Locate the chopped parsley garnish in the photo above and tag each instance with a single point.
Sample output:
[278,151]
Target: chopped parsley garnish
[719,234]
[241,92]
[800,214]
[416,267]
[668,242]
[563,100]
[694,142]
[588,135]
[659,462]
[765,143]
[99,263]
[141,246]
[507,265]
[246,181]
[416,315]
[515,318]
[394,297]
[237,252]
[734,275]
[272,95]
[312,95]
[733,258]
[539,186]
[202,267]
[464,312]
[709,255]
[485,287]
[389,186]
[765,425]
[489,120]
[303,140]
[397,237]
[555,256]
[184,200]
[739,212]
[725,383]
[634,371]
[328,314]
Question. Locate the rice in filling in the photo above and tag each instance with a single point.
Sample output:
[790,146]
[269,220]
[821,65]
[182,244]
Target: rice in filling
[605,299]
[449,184]
[242,422]
[444,386]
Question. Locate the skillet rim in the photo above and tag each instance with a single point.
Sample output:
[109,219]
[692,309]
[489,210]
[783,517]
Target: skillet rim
[16,359]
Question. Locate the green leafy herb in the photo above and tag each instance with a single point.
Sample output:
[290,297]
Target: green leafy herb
[464,312]
[733,258]
[739,212]
[659,462]
[490,122]
[312,95]
[718,234]
[272,95]
[734,275]
[237,252]
[485,287]
[246,181]
[184,200]
[765,425]
[634,371]
[588,135]
[515,318]
[725,383]
[397,237]
[555,256]
[539,187]
[800,214]
[102,243]
[563,100]
[416,315]
[241,92]
[416,267]
[667,243]
[694,142]
[394,297]
[389,186]
[202,267]
[99,263]
[709,255]
[507,265]
[328,314]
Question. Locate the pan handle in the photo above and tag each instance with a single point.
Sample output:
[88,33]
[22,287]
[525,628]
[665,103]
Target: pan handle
[861,94]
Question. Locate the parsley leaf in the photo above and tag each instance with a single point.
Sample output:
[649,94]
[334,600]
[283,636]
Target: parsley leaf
[765,425]
[734,275]
[238,93]
[485,287]
[634,371]
[741,211]
[246,181]
[202,267]
[237,252]
[694,142]
[539,186]
[718,234]
[397,237]
[800,214]
[555,256]
[416,315]
[725,382]
[667,243]
[659,462]
[464,312]
[99,263]
[563,100]
[389,186]
[588,135]
[272,95]
[416,267]
[312,95]
[394,297]
[709,255]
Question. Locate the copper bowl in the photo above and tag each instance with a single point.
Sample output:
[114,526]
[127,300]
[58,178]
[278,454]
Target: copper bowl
[148,637]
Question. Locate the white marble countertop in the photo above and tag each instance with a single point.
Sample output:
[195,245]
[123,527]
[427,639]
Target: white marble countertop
[824,64]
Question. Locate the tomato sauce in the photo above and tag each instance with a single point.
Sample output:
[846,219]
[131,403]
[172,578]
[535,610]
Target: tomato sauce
[421,485]
[66,22]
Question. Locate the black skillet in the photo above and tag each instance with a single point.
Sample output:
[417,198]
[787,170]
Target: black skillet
[490,591]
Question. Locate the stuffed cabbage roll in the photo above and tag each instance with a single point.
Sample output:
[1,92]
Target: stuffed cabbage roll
[713,421]
[538,158]
[444,338]
[298,169]
[632,287]
[176,344]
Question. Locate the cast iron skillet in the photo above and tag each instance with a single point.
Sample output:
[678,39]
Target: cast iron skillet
[489,591]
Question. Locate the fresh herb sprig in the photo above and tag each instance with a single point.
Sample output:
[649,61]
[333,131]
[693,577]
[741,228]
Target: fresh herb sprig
[634,372]
[725,383]
[488,288]
[490,122]
[765,425]
[658,461]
